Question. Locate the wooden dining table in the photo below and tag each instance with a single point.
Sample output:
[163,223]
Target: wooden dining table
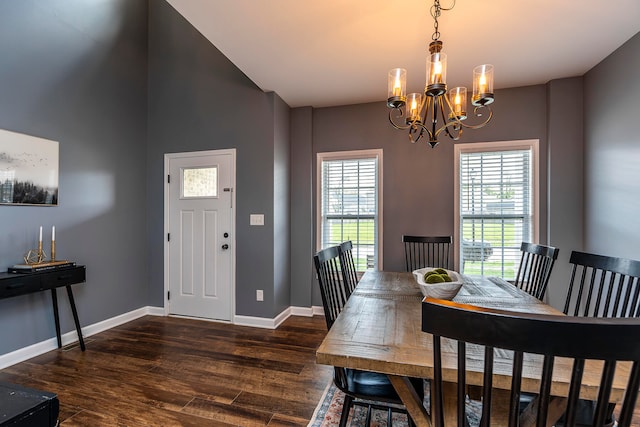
[380,329]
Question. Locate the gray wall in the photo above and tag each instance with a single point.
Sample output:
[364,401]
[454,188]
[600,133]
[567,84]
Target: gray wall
[281,202]
[198,100]
[566,176]
[75,72]
[302,231]
[612,154]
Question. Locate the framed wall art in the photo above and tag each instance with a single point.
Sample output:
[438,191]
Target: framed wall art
[28,170]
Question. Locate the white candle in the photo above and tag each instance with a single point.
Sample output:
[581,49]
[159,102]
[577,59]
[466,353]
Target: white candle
[40,239]
[53,233]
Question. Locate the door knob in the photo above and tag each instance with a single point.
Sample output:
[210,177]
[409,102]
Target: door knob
[225,247]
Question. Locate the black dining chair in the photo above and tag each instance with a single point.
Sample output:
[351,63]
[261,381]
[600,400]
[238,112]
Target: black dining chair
[578,338]
[603,286]
[535,268]
[600,286]
[372,390]
[426,251]
[348,266]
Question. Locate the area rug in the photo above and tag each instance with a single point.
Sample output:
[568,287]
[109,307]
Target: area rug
[327,413]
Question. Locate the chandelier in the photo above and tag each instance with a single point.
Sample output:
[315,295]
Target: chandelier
[424,114]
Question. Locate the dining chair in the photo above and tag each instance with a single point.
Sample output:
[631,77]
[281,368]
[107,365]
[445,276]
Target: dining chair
[535,268]
[577,338]
[603,286]
[426,251]
[372,390]
[348,266]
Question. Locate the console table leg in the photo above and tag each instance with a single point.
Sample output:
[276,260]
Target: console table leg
[54,298]
[75,316]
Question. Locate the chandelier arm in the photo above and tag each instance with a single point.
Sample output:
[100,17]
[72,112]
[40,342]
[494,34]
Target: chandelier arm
[455,121]
[458,125]
[453,125]
[450,134]
[434,117]
[433,106]
[475,113]
[400,115]
[428,105]
[413,129]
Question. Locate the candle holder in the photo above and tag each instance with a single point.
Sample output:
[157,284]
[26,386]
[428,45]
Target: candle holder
[36,259]
[35,256]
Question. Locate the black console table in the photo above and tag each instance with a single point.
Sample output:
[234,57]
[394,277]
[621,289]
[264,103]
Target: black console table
[14,284]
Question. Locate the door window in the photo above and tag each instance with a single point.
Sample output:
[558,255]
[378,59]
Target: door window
[200,182]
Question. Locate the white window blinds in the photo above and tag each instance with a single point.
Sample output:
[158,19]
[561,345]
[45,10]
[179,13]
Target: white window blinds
[496,210]
[349,207]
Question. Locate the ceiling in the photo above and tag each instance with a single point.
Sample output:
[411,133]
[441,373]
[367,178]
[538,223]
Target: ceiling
[335,52]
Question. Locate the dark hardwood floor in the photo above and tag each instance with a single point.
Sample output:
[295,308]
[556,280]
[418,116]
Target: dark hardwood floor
[165,371]
[160,371]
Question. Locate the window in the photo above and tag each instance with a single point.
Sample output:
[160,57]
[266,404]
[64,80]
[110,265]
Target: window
[349,200]
[496,205]
[199,182]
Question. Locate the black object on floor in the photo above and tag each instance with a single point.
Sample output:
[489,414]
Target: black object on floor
[27,407]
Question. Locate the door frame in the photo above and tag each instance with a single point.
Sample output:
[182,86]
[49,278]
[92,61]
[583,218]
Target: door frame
[167,158]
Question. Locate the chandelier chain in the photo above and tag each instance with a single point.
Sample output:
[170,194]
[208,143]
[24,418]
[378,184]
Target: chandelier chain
[436,11]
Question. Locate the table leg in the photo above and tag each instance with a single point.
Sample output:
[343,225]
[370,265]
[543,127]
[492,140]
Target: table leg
[450,404]
[557,407]
[411,400]
[56,317]
[75,316]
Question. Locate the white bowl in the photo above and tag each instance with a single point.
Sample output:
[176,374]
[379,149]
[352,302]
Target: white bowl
[446,290]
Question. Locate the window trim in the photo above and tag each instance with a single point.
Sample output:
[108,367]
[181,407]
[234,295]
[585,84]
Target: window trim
[476,147]
[350,155]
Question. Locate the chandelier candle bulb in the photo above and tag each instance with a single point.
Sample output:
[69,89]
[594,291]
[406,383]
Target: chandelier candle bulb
[482,85]
[397,82]
[458,101]
[436,73]
[414,107]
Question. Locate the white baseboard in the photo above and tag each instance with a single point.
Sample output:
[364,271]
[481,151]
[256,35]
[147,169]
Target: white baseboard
[37,349]
[42,347]
[263,322]
[307,311]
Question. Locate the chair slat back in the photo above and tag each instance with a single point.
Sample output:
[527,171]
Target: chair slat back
[535,268]
[426,251]
[348,267]
[603,286]
[334,296]
[578,338]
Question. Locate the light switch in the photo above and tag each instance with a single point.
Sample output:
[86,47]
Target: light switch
[256,219]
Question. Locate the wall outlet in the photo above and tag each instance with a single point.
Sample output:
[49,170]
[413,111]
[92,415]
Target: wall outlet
[259,295]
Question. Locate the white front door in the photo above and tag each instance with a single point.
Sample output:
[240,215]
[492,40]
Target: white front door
[200,226]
